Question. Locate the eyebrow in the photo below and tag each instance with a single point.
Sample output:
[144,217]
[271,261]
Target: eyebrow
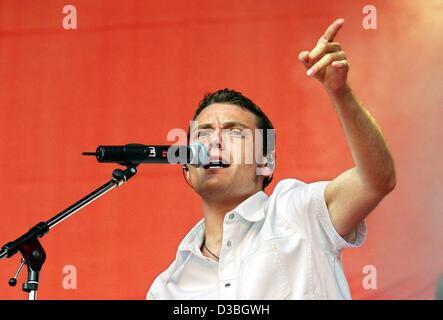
[227,124]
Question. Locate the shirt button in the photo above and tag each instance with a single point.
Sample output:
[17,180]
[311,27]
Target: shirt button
[232,216]
[227,285]
[229,243]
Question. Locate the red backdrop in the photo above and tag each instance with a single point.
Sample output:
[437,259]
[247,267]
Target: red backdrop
[133,70]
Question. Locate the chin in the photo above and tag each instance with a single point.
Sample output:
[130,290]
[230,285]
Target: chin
[214,189]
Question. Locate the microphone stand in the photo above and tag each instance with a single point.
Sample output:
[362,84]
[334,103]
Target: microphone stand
[31,249]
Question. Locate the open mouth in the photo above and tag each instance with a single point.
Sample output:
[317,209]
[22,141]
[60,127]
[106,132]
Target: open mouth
[216,164]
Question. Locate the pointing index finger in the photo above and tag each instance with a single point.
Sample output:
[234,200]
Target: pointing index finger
[331,31]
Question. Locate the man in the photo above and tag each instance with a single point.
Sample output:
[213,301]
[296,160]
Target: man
[286,246]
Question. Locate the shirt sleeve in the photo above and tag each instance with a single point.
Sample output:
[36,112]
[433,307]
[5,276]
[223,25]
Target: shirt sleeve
[304,207]
[150,296]
[315,198]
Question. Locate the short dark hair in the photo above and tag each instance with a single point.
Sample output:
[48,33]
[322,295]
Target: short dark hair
[236,98]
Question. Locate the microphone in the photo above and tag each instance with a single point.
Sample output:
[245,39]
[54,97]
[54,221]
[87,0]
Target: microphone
[195,154]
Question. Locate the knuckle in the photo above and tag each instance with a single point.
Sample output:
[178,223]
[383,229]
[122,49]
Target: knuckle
[335,45]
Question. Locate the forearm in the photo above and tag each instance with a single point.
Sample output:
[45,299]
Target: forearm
[369,149]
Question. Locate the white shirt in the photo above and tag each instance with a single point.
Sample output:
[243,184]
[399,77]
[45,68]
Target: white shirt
[278,247]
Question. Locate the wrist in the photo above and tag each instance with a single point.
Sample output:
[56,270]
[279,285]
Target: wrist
[340,92]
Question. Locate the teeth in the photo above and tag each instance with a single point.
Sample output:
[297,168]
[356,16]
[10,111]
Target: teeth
[217,164]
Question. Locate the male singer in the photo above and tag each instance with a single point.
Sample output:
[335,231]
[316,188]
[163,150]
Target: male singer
[287,245]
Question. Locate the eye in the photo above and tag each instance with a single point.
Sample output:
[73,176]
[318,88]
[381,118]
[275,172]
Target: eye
[204,133]
[235,133]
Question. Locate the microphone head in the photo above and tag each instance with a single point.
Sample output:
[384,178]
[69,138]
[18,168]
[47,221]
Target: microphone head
[199,154]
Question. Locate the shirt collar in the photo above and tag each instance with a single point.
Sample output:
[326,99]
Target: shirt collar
[252,209]
[194,238]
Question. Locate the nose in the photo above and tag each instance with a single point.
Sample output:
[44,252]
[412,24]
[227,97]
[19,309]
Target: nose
[216,140]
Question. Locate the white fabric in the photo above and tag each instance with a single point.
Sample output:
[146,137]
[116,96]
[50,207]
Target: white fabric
[278,247]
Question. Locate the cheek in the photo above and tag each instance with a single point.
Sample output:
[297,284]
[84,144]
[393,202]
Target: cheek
[245,172]
[193,176]
[249,150]
[240,151]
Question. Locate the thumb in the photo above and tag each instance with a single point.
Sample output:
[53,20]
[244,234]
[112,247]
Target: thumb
[303,56]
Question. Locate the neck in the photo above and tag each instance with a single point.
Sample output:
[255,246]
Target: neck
[214,213]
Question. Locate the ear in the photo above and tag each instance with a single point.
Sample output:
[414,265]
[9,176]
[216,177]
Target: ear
[186,168]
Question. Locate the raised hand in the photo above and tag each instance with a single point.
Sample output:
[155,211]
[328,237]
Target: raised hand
[327,61]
